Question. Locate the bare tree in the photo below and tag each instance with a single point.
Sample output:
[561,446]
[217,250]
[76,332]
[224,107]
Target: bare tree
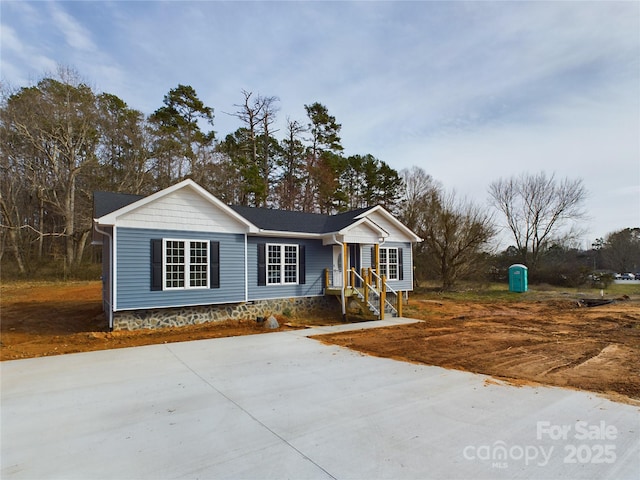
[537,210]
[14,201]
[456,234]
[291,163]
[418,187]
[258,114]
[55,123]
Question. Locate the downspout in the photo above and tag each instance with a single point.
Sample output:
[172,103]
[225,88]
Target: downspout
[342,290]
[110,312]
[246,270]
[382,307]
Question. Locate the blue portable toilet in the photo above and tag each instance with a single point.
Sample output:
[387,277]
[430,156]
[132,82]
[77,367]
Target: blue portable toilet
[518,281]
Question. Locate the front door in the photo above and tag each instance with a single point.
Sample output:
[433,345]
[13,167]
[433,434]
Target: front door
[354,260]
[338,275]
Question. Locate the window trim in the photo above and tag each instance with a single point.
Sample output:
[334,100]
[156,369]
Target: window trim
[397,263]
[187,263]
[282,273]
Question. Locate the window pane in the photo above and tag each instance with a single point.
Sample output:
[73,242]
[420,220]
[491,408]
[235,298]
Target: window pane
[198,276]
[290,254]
[273,264]
[174,261]
[383,269]
[290,274]
[274,254]
[290,264]
[273,274]
[393,272]
[198,264]
[383,262]
[391,264]
[175,276]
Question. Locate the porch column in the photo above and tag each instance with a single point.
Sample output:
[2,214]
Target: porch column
[376,261]
[383,295]
[367,278]
[345,263]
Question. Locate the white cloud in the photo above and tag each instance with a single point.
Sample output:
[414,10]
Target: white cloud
[467,90]
[10,40]
[76,35]
[15,53]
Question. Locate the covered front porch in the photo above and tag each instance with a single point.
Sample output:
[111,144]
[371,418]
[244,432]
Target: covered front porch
[362,291]
[371,267]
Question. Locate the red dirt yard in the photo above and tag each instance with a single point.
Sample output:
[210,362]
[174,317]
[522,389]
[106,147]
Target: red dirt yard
[542,338]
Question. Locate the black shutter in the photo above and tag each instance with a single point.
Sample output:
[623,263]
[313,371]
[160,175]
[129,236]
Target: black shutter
[301,265]
[214,264]
[262,264]
[156,264]
[400,265]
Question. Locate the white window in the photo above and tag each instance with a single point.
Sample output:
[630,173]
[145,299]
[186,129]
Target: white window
[389,263]
[186,264]
[282,264]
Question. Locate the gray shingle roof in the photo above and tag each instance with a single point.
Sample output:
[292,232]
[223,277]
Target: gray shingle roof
[107,202]
[287,221]
[264,218]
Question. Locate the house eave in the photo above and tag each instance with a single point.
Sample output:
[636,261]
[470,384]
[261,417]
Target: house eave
[410,234]
[284,234]
[382,233]
[111,218]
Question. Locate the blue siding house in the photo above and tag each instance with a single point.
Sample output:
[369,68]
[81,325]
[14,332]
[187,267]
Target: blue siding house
[181,256]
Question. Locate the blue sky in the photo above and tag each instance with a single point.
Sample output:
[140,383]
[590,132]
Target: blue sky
[468,91]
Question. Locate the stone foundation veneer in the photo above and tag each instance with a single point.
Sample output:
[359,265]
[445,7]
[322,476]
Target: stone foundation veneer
[181,316]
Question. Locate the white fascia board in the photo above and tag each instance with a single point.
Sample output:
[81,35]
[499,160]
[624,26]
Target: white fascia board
[333,238]
[414,238]
[111,218]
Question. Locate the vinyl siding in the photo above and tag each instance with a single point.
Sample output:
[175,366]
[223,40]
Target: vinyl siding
[134,271]
[406,284]
[362,233]
[182,210]
[317,258]
[395,233]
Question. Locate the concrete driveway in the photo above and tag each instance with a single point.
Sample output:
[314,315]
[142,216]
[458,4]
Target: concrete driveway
[286,406]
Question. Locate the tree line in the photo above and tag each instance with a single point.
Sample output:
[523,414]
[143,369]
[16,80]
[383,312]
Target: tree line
[61,141]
